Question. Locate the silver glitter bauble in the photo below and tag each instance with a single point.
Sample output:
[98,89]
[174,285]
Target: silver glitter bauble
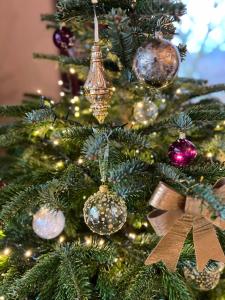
[145,112]
[104,212]
[48,224]
[157,63]
[205,280]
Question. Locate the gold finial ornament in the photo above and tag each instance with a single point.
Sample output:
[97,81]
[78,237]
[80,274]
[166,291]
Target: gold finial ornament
[97,88]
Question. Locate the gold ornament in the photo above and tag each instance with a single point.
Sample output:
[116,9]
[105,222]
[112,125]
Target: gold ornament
[105,212]
[97,87]
[205,280]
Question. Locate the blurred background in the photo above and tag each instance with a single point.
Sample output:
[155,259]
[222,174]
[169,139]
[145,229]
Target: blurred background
[202,29]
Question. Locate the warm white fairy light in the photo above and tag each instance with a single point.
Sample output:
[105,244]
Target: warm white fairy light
[209,155]
[51,127]
[28,253]
[137,151]
[145,224]
[62,94]
[77,114]
[59,164]
[72,71]
[39,91]
[88,240]
[101,242]
[76,108]
[2,298]
[163,100]
[178,91]
[56,142]
[52,102]
[116,259]
[62,239]
[132,235]
[74,100]
[80,161]
[36,132]
[60,82]
[84,197]
[7,251]
[113,88]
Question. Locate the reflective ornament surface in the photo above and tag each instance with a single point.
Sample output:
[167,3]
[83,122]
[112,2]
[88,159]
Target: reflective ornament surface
[105,212]
[97,88]
[48,224]
[63,38]
[205,280]
[182,152]
[145,112]
[157,63]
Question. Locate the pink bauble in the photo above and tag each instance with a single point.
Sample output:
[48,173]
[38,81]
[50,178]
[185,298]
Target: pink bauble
[182,152]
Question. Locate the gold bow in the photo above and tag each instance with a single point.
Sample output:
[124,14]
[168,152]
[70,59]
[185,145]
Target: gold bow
[174,217]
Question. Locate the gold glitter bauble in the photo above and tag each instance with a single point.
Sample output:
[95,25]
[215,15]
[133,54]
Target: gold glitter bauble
[145,112]
[157,63]
[205,280]
[104,212]
[97,87]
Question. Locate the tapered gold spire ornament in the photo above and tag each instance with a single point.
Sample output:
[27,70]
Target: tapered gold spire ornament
[97,88]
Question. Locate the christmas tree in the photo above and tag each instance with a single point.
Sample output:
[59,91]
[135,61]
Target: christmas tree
[116,190]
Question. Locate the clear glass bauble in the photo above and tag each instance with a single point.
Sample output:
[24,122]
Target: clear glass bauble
[47,223]
[105,212]
[145,112]
[205,280]
[157,63]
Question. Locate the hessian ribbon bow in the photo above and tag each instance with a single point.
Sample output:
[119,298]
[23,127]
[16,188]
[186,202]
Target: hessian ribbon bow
[174,217]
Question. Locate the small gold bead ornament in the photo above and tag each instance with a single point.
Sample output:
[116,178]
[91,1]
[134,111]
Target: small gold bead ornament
[97,88]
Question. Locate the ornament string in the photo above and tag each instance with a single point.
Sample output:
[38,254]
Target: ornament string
[104,159]
[96,25]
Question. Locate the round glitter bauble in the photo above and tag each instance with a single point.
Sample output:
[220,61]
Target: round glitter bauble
[63,38]
[182,152]
[48,224]
[157,63]
[104,212]
[205,280]
[145,112]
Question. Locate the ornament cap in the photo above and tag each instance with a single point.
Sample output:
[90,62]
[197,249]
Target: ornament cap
[103,188]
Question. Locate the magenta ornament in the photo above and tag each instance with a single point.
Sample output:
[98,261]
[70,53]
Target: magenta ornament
[182,152]
[63,38]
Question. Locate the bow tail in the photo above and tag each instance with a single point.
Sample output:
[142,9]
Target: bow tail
[206,243]
[169,248]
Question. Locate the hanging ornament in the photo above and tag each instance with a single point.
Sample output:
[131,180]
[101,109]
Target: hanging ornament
[63,38]
[205,280]
[48,224]
[157,63]
[145,112]
[104,212]
[182,152]
[97,88]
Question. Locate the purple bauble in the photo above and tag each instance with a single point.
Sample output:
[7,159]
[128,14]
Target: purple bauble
[182,152]
[63,38]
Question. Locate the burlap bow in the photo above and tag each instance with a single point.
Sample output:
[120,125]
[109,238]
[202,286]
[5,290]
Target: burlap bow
[174,217]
